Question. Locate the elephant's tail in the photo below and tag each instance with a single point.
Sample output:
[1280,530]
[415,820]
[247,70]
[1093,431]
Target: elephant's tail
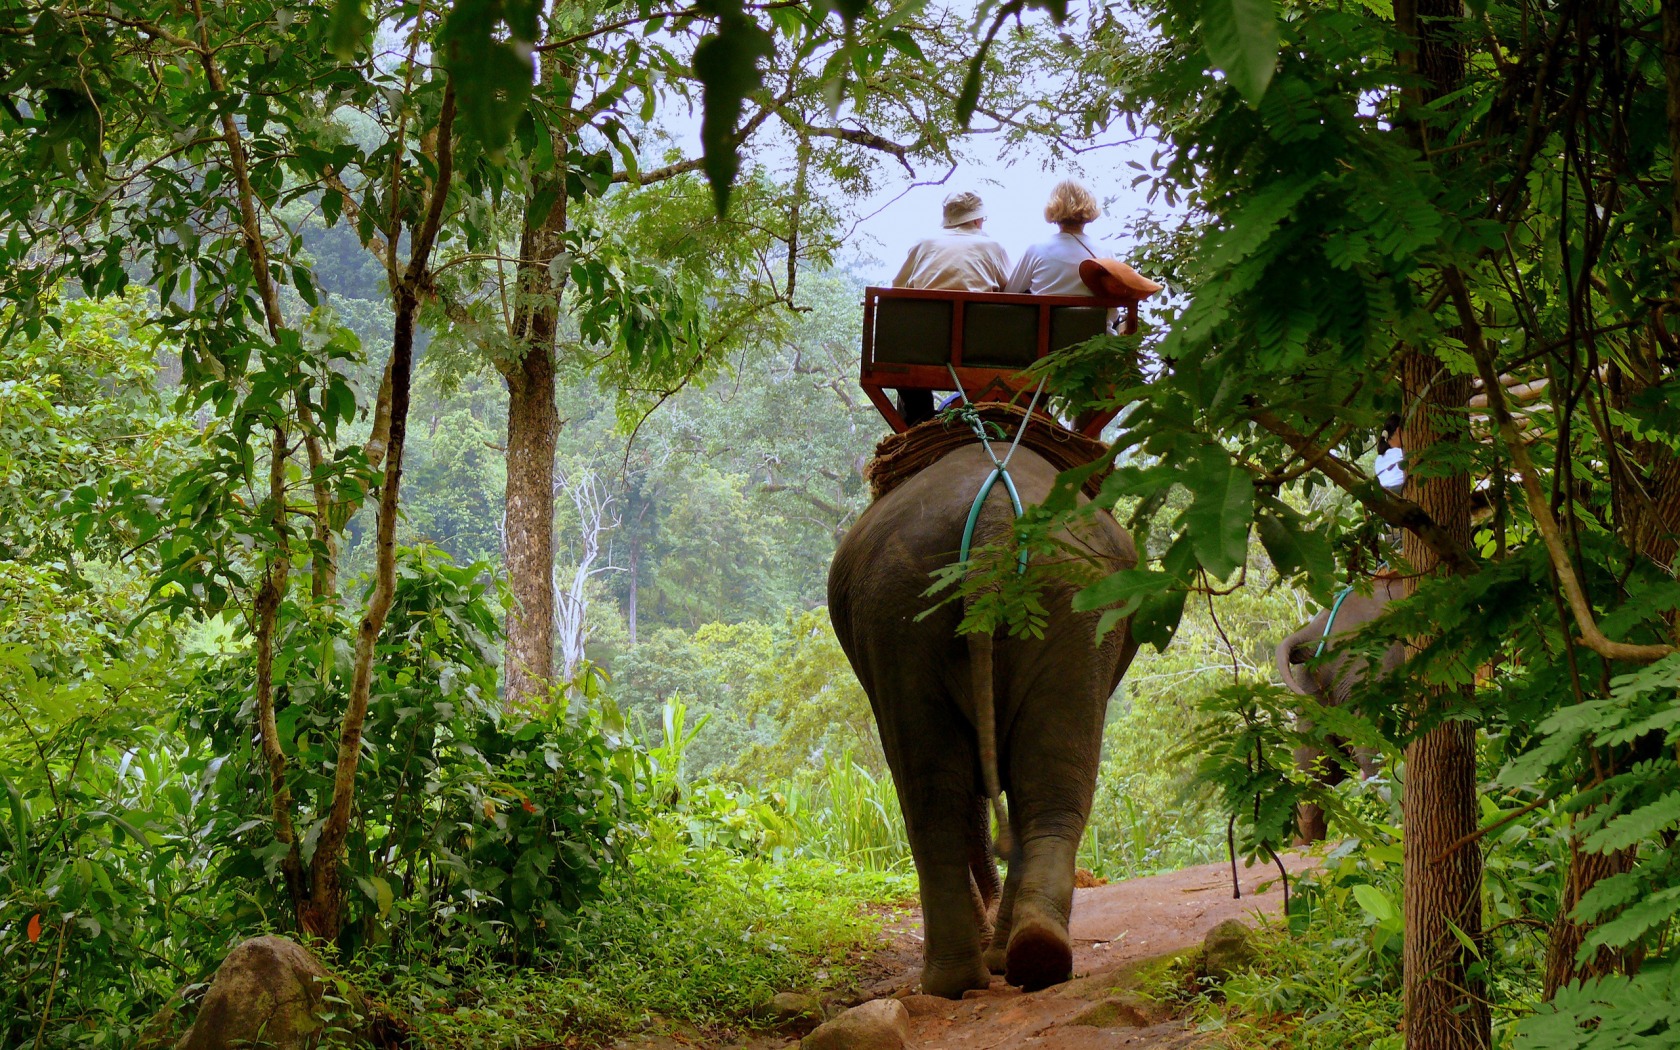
[985,723]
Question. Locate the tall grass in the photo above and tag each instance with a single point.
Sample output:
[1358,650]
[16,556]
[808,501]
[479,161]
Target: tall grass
[848,815]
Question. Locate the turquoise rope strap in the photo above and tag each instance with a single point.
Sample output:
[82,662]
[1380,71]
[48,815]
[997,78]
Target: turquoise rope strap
[1328,624]
[974,514]
[1000,469]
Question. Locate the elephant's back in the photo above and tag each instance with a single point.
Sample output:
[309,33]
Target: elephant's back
[916,528]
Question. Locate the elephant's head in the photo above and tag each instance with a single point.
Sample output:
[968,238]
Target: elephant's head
[1331,681]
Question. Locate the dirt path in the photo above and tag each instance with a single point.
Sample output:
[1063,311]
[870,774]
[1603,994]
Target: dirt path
[1114,928]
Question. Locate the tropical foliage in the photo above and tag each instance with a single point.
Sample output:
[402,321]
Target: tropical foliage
[420,473]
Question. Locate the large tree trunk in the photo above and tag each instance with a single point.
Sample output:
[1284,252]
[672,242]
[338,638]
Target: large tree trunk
[533,431]
[528,544]
[1446,1008]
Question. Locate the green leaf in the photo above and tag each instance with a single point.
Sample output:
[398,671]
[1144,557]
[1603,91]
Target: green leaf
[1631,828]
[1126,589]
[1157,618]
[727,64]
[1220,512]
[348,29]
[1241,38]
[487,45]
[1375,903]
[1292,546]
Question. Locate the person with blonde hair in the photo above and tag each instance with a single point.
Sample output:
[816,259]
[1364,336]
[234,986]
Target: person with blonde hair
[1052,267]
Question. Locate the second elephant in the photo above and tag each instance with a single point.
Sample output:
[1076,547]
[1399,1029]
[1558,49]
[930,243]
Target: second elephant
[1330,680]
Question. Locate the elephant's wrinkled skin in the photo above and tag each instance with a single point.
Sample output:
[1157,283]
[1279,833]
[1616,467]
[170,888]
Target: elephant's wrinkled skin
[1050,697]
[1331,680]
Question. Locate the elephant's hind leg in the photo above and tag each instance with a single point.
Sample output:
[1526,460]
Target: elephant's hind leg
[997,959]
[1052,762]
[1039,952]
[933,758]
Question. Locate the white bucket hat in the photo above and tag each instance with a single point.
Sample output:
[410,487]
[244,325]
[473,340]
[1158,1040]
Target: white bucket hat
[962,207]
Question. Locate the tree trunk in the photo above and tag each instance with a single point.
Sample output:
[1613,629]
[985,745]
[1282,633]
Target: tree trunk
[528,544]
[630,605]
[534,429]
[1567,935]
[1446,1008]
[322,914]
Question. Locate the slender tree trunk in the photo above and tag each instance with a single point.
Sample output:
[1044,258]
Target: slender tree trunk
[1567,935]
[1446,1008]
[1648,512]
[322,914]
[270,593]
[635,564]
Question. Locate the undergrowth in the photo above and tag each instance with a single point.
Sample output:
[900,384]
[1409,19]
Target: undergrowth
[1328,977]
[695,946]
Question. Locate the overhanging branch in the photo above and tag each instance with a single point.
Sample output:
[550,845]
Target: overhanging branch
[1538,506]
[1401,513]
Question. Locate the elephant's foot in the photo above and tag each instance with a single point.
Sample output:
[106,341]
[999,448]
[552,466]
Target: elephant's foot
[1039,954]
[950,982]
[997,960]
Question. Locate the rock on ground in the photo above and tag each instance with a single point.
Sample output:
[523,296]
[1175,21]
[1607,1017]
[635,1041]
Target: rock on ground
[271,992]
[790,1007]
[883,1024]
[1227,950]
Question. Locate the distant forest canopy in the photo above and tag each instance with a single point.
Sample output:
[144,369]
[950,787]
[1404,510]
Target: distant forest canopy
[718,504]
[782,429]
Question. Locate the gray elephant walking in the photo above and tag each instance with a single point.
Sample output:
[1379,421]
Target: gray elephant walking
[931,689]
[1331,680]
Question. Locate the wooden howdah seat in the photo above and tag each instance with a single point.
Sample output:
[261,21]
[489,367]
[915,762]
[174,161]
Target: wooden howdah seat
[910,335]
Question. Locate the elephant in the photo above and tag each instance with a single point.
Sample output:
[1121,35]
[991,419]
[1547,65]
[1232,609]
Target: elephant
[1331,681]
[961,716]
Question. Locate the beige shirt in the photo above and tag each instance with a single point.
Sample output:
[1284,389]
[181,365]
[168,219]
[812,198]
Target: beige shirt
[961,259]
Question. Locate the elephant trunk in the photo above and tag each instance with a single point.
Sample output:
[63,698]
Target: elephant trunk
[1286,660]
[985,719]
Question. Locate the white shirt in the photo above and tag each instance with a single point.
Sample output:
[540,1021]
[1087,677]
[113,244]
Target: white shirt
[1052,267]
[1390,474]
[964,259]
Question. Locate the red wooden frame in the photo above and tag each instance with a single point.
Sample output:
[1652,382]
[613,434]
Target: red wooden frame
[979,383]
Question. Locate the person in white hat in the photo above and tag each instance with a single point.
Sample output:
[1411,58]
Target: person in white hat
[962,257]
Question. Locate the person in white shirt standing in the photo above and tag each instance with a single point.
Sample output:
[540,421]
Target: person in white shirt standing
[962,257]
[1052,267]
[1390,467]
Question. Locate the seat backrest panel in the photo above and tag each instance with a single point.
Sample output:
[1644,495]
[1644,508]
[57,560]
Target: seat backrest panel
[1075,324]
[913,331]
[1000,335]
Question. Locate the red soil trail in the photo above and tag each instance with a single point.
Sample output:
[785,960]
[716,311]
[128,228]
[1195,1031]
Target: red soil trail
[1115,927]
